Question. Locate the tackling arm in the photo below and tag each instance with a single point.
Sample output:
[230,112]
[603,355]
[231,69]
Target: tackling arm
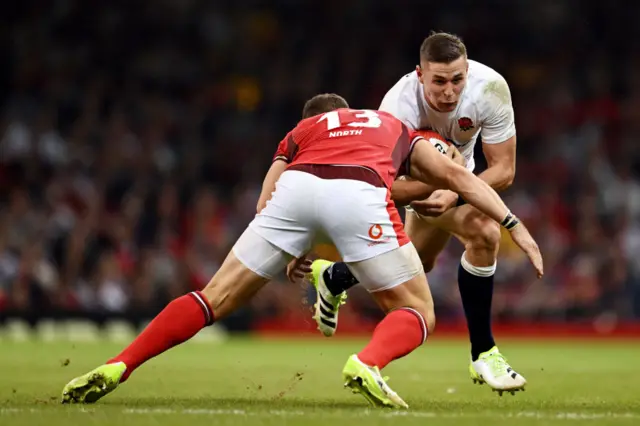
[269,183]
[428,165]
[404,191]
[285,152]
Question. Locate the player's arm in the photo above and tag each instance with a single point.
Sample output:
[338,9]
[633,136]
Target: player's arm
[499,137]
[285,152]
[404,191]
[501,163]
[269,184]
[428,165]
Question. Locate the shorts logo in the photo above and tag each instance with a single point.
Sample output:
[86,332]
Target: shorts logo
[375,232]
[465,124]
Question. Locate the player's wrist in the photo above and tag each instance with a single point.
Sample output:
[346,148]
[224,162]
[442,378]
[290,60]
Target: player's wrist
[510,221]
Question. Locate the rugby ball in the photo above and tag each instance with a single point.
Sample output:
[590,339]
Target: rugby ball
[439,142]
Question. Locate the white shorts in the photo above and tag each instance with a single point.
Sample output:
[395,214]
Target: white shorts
[357,217]
[379,273]
[389,269]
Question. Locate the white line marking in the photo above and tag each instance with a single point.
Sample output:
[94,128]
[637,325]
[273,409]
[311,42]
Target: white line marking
[541,415]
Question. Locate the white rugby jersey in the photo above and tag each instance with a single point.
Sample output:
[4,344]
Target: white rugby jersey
[484,108]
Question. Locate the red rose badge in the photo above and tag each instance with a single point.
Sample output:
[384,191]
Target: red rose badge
[465,123]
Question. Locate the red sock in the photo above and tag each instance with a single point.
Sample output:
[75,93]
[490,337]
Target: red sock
[397,335]
[179,321]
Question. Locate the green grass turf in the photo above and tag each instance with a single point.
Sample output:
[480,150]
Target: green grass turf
[298,382]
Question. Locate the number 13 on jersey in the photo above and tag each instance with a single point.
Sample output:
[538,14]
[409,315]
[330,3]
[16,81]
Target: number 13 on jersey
[367,117]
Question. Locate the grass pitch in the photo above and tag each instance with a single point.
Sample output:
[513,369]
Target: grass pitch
[298,382]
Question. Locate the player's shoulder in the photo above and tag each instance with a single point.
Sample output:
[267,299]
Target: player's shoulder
[484,82]
[386,115]
[480,73]
[403,99]
[305,123]
[407,81]
[405,89]
[312,125]
[305,128]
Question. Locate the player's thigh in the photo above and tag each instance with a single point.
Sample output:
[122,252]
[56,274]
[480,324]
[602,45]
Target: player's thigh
[360,219]
[428,238]
[289,219]
[396,279]
[387,270]
[252,262]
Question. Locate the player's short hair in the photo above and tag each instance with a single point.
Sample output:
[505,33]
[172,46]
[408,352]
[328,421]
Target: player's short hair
[320,104]
[442,48]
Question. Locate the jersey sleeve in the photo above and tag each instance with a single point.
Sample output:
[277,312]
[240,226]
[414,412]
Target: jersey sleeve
[401,102]
[498,124]
[287,149]
[414,137]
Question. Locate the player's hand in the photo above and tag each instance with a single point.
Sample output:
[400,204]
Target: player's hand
[298,268]
[521,236]
[455,156]
[439,202]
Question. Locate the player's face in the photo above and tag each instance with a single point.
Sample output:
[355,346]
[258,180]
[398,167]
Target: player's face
[443,83]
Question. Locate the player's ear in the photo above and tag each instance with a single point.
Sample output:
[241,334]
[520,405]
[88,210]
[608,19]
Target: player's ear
[419,72]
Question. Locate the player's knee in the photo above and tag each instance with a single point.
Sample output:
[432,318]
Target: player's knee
[428,316]
[428,259]
[483,233]
[430,319]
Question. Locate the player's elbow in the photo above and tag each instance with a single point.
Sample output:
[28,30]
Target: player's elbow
[508,176]
[399,195]
[399,198]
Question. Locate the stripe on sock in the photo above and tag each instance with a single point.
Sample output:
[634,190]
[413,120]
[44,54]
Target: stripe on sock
[206,308]
[478,271]
[423,323]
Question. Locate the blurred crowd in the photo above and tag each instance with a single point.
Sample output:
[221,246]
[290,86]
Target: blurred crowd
[134,137]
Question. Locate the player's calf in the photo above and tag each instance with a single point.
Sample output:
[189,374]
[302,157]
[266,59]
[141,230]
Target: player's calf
[475,277]
[475,280]
[235,282]
[409,321]
[397,335]
[405,298]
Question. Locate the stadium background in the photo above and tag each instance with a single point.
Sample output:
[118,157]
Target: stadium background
[134,137]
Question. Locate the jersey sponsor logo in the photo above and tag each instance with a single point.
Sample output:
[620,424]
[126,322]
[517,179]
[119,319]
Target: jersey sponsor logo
[465,123]
[376,235]
[375,232]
